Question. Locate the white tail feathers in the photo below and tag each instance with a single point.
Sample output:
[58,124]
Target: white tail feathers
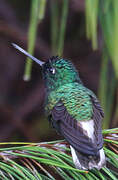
[84,162]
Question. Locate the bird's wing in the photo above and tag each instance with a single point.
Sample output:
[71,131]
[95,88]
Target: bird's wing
[75,132]
[98,115]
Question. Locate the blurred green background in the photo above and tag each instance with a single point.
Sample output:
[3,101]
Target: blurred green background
[85,32]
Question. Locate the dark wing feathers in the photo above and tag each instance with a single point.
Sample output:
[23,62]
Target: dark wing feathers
[80,145]
[98,115]
[74,133]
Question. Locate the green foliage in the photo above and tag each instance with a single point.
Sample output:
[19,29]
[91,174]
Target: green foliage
[91,21]
[58,26]
[36,16]
[50,160]
[102,11]
[107,14]
[62,28]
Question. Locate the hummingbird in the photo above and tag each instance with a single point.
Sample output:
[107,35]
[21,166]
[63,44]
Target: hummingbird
[73,110]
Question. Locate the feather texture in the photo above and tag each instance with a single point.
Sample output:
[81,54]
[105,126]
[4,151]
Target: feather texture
[84,136]
[75,113]
[75,132]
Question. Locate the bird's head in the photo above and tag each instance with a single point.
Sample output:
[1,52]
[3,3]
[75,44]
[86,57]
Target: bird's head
[56,71]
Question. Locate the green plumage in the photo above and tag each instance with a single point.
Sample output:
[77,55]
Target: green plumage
[65,85]
[73,111]
[75,98]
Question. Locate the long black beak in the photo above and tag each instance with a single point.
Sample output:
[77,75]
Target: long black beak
[27,54]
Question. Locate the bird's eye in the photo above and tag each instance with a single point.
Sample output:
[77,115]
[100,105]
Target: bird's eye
[52,70]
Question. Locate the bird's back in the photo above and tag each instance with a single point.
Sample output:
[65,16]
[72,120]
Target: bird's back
[76,114]
[75,98]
